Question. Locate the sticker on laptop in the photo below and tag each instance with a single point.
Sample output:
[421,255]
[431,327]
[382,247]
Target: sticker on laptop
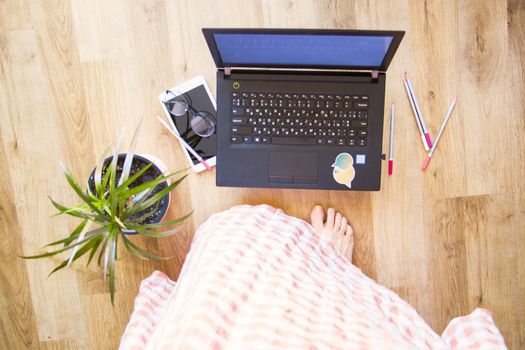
[344,171]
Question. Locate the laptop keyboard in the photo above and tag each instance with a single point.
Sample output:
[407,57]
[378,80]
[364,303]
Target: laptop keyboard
[299,119]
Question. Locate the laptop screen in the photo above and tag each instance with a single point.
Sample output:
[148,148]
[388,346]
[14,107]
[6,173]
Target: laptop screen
[302,50]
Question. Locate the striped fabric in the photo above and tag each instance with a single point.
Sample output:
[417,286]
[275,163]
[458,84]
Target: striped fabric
[256,278]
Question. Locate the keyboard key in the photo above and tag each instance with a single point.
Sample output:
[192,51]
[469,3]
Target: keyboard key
[247,139]
[361,105]
[257,139]
[359,124]
[237,111]
[362,133]
[362,142]
[236,139]
[321,141]
[239,120]
[293,140]
[352,142]
[341,141]
[242,130]
[330,142]
[265,139]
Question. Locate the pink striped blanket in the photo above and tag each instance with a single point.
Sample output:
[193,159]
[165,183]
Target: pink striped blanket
[256,278]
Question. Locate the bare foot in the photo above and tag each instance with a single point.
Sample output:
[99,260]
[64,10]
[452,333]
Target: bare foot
[335,227]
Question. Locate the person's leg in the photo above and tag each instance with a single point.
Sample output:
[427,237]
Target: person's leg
[257,276]
[336,227]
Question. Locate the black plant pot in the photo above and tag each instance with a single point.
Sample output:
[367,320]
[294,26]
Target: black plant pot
[138,163]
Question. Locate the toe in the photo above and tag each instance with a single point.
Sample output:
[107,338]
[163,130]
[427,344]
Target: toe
[317,217]
[330,217]
[350,232]
[337,221]
[350,237]
[344,225]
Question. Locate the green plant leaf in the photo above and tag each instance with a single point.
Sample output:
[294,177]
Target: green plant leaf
[129,244]
[79,191]
[94,250]
[79,211]
[137,201]
[160,234]
[102,250]
[129,249]
[88,246]
[132,178]
[112,199]
[71,237]
[138,219]
[81,236]
[55,252]
[112,177]
[112,258]
[126,168]
[136,190]
[162,224]
[129,156]
[98,174]
[105,182]
[157,196]
[74,235]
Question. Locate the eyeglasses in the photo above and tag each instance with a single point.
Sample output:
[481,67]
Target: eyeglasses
[179,105]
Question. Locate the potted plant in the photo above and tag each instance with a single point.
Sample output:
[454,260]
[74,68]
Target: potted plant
[127,194]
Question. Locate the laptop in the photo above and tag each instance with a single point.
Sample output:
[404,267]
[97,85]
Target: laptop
[300,108]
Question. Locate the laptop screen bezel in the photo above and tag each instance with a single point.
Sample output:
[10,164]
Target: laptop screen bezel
[397,36]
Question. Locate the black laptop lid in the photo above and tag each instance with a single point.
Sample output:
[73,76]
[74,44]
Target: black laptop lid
[303,48]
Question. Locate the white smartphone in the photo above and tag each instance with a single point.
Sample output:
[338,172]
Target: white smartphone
[191,110]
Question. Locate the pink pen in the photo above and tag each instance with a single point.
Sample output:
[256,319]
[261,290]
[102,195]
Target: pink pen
[391,150]
[417,110]
[185,144]
[418,122]
[445,121]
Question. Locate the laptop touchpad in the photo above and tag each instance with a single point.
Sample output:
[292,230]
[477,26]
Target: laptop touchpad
[293,167]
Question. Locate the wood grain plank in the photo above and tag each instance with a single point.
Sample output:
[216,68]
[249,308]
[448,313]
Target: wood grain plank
[53,23]
[103,34]
[17,316]
[14,15]
[448,282]
[106,324]
[435,84]
[484,40]
[36,155]
[515,89]
[397,209]
[494,240]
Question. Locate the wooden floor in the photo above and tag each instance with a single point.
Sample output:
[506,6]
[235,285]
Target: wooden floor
[74,72]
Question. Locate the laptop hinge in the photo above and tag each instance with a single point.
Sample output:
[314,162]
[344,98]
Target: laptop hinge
[227,71]
[375,75]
